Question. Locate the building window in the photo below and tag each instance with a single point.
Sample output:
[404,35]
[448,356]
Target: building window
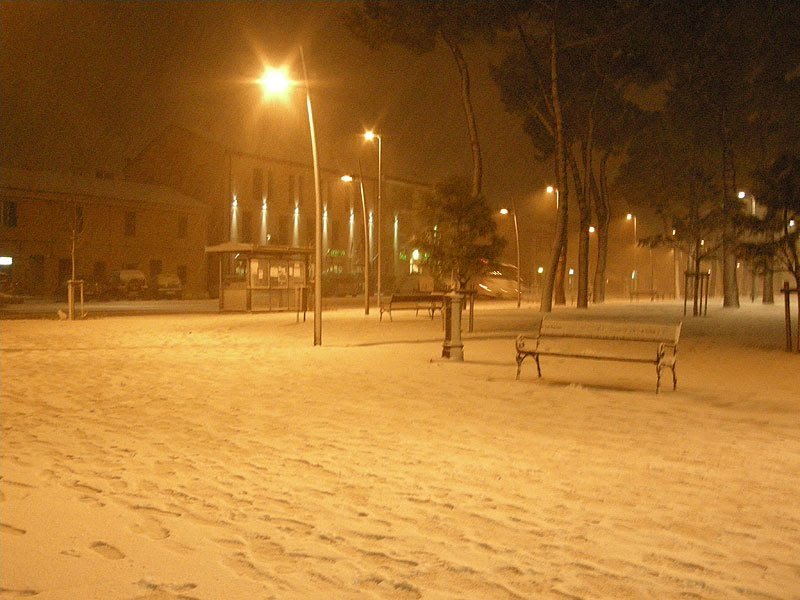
[9,214]
[183,226]
[270,186]
[78,219]
[182,274]
[293,197]
[64,270]
[310,232]
[130,223]
[284,230]
[258,186]
[247,226]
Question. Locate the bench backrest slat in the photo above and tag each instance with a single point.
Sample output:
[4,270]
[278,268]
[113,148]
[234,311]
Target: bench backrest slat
[610,331]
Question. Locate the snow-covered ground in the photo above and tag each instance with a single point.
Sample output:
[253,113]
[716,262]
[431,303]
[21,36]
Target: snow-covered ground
[223,456]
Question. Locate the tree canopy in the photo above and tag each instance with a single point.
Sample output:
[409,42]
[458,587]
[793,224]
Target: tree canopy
[460,232]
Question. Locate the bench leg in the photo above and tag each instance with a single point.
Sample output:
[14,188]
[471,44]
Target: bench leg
[520,358]
[674,379]
[538,366]
[658,377]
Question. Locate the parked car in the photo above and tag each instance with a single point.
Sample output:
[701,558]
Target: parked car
[167,285]
[127,284]
[500,281]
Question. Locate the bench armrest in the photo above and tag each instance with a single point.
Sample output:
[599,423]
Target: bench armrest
[663,347]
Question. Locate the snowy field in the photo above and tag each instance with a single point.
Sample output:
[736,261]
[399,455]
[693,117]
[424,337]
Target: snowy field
[224,457]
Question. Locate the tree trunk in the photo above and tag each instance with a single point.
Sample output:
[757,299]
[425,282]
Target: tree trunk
[466,100]
[560,295]
[697,301]
[603,211]
[584,218]
[560,238]
[768,282]
[730,285]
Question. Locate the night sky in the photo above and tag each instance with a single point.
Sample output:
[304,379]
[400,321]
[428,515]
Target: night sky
[88,85]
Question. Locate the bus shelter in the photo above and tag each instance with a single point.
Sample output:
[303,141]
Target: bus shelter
[255,278]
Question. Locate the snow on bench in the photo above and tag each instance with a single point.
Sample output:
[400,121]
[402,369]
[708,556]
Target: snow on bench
[600,340]
[427,301]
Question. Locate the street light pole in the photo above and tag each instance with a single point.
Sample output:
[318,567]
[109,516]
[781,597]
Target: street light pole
[504,211]
[317,213]
[635,274]
[369,136]
[276,82]
[348,179]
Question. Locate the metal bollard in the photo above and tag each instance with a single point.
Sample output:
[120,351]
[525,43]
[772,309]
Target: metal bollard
[452,347]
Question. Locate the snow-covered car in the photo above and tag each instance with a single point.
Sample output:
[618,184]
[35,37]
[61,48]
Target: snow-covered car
[167,285]
[126,284]
[500,281]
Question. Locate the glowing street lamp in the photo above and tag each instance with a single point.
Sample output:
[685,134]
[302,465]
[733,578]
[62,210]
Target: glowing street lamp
[371,136]
[504,211]
[277,82]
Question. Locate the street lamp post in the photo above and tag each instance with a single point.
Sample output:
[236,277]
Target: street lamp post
[561,263]
[349,179]
[550,190]
[369,136]
[635,274]
[504,211]
[276,81]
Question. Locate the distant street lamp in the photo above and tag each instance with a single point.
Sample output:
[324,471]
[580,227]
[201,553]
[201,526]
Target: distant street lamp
[550,190]
[370,136]
[504,211]
[277,82]
[349,179]
[634,274]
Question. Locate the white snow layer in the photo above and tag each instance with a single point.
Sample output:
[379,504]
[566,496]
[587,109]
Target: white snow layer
[223,456]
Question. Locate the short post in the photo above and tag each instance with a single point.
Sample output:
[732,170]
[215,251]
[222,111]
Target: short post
[452,347]
[71,285]
[788,318]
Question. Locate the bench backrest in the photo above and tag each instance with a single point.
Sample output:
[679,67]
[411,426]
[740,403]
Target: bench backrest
[420,297]
[640,332]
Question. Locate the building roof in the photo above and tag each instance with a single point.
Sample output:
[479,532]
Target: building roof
[243,248]
[55,182]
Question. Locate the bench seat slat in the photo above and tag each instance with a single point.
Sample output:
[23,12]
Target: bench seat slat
[601,357]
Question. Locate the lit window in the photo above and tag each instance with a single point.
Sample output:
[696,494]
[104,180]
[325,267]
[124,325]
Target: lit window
[8,217]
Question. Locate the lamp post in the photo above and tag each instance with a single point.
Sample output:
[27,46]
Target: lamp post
[504,211]
[562,255]
[550,190]
[370,136]
[634,274]
[349,179]
[276,81]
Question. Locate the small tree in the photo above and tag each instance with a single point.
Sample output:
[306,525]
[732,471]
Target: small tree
[779,192]
[460,234]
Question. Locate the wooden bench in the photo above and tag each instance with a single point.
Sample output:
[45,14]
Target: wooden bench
[652,294]
[599,340]
[427,301]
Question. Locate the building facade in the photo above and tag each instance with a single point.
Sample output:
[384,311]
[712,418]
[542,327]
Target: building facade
[107,224]
[260,200]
